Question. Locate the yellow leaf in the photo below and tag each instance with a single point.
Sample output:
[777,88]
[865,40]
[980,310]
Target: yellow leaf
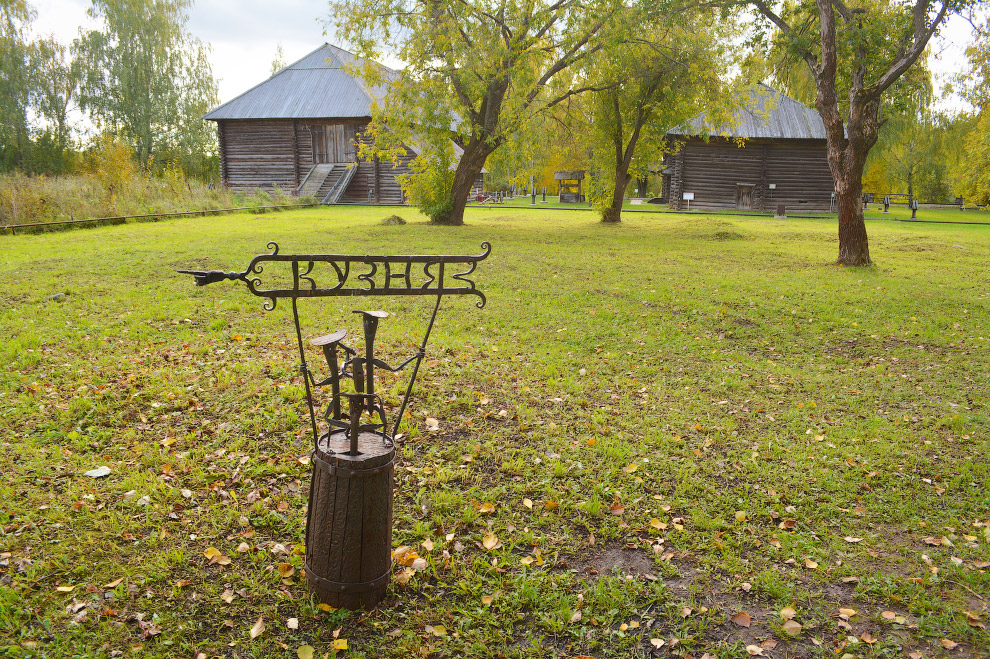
[305,652]
[449,537]
[113,584]
[490,541]
[849,613]
[810,564]
[286,570]
[439,630]
[634,624]
[65,589]
[630,468]
[258,628]
[404,575]
[487,507]
[428,544]
[791,628]
[788,613]
[340,644]
[740,515]
[212,553]
[323,606]
[526,560]
[657,524]
[528,503]
[487,600]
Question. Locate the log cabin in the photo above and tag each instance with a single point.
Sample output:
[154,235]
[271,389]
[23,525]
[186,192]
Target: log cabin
[771,152]
[300,131]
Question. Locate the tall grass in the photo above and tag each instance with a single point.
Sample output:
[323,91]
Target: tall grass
[28,199]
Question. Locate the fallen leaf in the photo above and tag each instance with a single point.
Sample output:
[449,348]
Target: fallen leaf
[487,507]
[948,645]
[438,630]
[740,515]
[810,564]
[630,468]
[847,613]
[305,652]
[657,642]
[228,597]
[788,613]
[527,560]
[243,547]
[888,615]
[686,611]
[432,424]
[754,650]
[617,509]
[419,564]
[490,541]
[258,629]
[576,617]
[113,584]
[850,538]
[657,524]
[528,503]
[741,618]
[787,524]
[285,570]
[487,600]
[427,544]
[867,637]
[340,644]
[791,628]
[65,589]
[404,575]
[99,472]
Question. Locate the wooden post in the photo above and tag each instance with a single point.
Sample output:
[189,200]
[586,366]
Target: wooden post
[349,524]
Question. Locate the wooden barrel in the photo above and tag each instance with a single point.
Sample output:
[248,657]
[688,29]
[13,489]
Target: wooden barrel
[349,524]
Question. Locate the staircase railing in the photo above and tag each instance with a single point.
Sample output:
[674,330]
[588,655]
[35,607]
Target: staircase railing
[338,188]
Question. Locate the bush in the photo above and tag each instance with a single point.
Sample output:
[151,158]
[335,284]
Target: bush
[430,182]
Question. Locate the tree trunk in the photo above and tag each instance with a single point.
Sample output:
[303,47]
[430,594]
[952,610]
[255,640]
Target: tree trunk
[468,167]
[613,213]
[854,246]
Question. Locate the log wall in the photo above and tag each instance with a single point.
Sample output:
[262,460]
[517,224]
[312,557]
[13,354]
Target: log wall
[715,170]
[279,153]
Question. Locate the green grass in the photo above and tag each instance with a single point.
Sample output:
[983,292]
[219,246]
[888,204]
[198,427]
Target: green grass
[873,211]
[724,357]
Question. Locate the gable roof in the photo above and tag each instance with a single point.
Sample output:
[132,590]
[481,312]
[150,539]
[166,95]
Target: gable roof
[317,86]
[765,113]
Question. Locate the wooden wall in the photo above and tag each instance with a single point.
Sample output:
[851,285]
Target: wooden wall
[714,171]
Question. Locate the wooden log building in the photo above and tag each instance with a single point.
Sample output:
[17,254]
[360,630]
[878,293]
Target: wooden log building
[299,131]
[773,152]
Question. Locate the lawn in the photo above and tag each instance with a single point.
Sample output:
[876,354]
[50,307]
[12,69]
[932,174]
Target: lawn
[697,437]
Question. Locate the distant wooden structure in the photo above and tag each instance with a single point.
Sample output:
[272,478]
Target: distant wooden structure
[772,152]
[569,186]
[301,129]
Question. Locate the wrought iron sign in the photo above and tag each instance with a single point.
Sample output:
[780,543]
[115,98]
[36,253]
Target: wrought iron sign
[278,276]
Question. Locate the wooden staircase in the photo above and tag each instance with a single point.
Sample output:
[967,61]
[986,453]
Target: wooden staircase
[314,180]
[327,181]
[342,178]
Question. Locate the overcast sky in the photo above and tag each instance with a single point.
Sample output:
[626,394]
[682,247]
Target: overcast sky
[244,35]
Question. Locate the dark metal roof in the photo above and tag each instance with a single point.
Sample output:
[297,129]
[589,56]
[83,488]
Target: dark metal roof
[766,113]
[317,86]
